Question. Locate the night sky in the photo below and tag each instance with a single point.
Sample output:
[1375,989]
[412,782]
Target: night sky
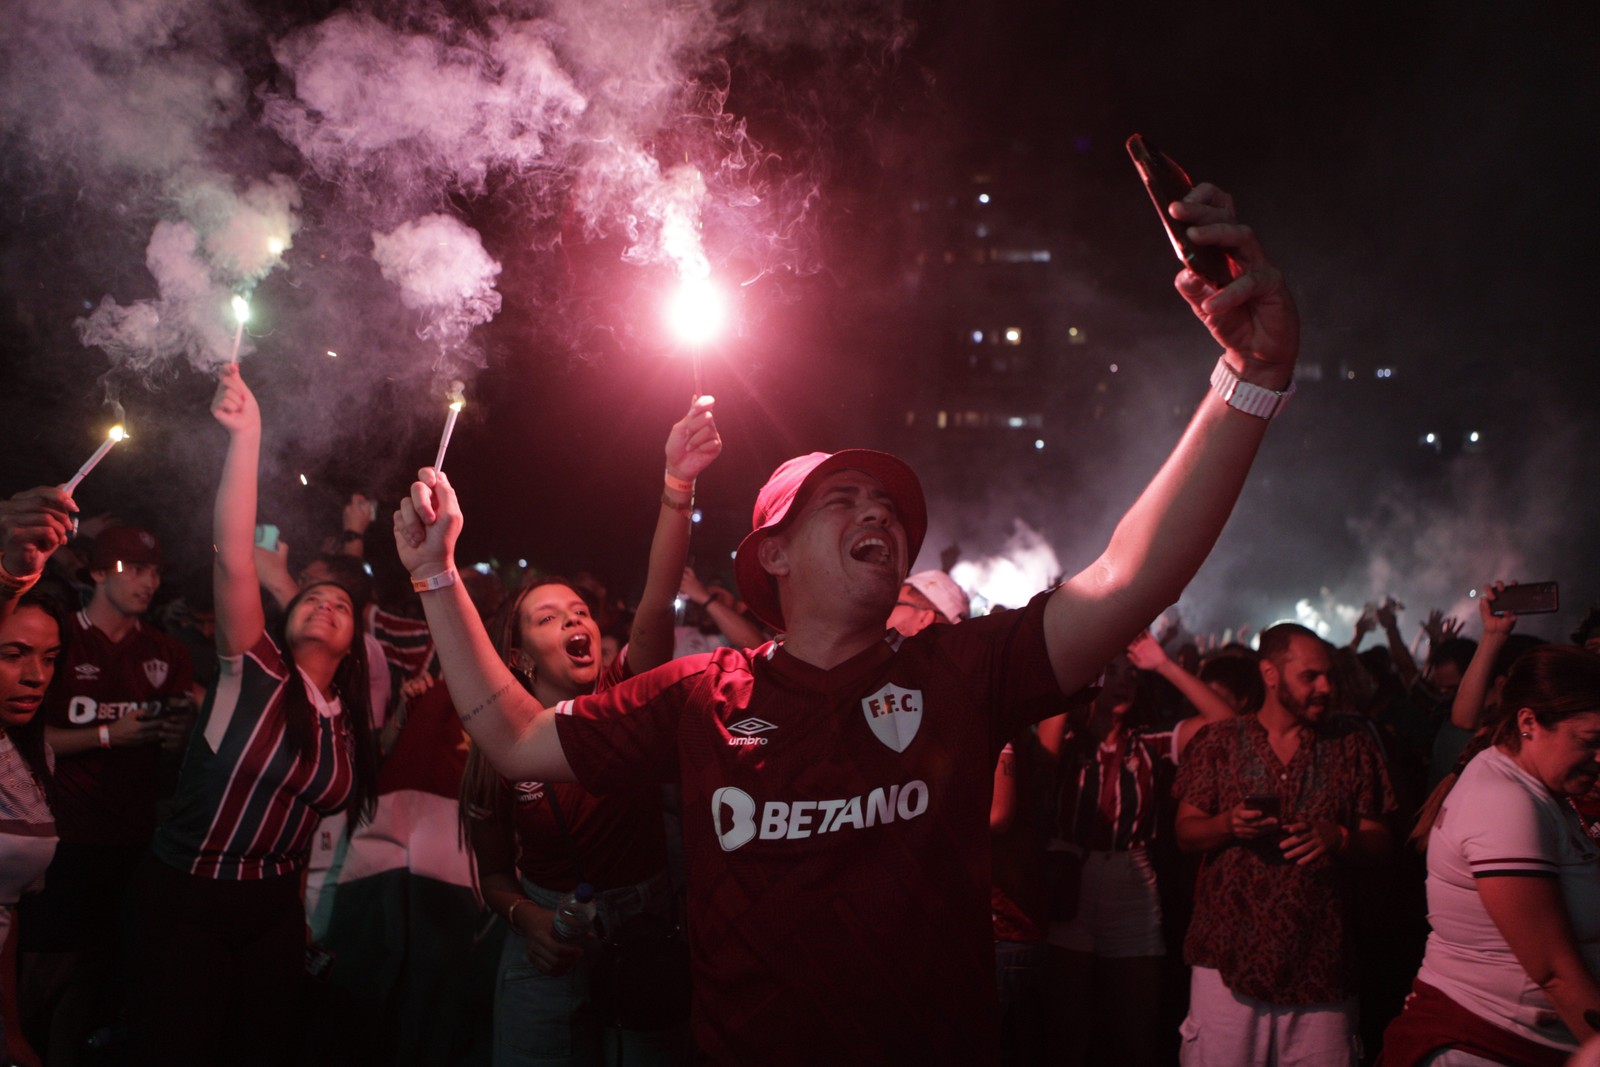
[1420,171]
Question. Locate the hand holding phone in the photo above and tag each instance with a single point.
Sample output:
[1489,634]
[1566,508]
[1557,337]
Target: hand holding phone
[1534,598]
[267,537]
[1166,181]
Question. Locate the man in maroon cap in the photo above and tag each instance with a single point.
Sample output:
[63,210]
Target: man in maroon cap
[836,782]
[124,689]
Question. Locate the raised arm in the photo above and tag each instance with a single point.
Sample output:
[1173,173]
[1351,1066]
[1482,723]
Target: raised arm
[1466,711]
[691,447]
[1147,654]
[233,521]
[517,734]
[719,605]
[1168,532]
[1399,653]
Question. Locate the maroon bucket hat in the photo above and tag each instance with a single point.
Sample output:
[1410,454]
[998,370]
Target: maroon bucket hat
[791,483]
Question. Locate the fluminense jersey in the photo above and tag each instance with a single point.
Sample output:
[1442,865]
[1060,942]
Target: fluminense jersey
[108,796]
[247,803]
[836,828]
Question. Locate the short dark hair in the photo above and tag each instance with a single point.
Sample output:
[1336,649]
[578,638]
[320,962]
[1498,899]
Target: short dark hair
[1275,640]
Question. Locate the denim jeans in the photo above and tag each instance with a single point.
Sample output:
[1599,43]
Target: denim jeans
[543,1020]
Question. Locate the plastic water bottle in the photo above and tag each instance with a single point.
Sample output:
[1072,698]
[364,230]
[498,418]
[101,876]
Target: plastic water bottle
[575,914]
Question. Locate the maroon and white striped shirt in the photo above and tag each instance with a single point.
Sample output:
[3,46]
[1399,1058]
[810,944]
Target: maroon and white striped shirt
[247,803]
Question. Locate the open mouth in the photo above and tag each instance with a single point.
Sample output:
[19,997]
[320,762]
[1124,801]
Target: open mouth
[871,550]
[580,648]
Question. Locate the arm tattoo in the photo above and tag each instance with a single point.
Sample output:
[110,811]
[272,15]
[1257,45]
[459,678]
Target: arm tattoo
[493,697]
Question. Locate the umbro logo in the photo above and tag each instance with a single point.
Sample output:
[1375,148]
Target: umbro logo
[747,729]
[86,672]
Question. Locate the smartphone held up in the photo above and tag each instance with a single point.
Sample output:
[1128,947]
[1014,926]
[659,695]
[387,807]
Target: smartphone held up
[1166,181]
[1532,598]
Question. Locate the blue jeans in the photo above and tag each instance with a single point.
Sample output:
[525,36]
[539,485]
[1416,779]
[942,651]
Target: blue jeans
[543,1020]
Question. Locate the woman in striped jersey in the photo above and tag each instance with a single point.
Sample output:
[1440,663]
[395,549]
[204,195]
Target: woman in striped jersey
[284,739]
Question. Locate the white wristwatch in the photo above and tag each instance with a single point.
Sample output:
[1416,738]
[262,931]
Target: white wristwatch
[1251,399]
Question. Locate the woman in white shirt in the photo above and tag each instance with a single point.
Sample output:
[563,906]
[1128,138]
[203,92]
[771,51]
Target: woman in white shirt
[30,641]
[1514,884]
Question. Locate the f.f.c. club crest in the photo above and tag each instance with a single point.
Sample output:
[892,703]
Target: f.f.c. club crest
[894,715]
[155,670]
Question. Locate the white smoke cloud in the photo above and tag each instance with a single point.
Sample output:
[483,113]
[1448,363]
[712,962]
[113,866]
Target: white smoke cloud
[368,96]
[227,241]
[134,86]
[1024,565]
[442,271]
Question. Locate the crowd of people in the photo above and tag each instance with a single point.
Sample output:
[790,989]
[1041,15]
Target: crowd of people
[824,816]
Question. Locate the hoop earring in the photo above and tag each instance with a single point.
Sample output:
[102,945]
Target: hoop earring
[519,667]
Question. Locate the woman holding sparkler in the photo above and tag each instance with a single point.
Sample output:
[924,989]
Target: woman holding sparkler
[284,739]
[535,841]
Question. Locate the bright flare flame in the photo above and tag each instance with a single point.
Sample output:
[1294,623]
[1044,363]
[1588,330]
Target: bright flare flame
[117,433]
[275,245]
[241,309]
[457,405]
[697,311]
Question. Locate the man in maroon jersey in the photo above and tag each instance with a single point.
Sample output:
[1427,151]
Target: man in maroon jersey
[123,695]
[836,783]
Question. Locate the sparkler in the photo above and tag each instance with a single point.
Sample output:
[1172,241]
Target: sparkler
[696,314]
[457,402]
[241,311]
[117,434]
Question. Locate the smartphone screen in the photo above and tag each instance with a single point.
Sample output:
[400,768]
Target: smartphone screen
[1270,805]
[267,537]
[1532,598]
[1166,182]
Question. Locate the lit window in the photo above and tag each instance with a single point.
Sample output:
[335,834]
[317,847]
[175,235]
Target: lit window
[977,337]
[1113,368]
[983,198]
[1013,335]
[1038,444]
[1016,422]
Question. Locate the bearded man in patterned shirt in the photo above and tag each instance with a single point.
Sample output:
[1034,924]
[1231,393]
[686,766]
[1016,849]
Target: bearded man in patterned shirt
[1285,804]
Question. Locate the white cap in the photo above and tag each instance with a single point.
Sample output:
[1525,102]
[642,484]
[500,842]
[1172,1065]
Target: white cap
[947,598]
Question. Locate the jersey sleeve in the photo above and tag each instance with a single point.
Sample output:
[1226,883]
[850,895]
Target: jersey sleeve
[180,680]
[1005,657]
[1501,830]
[625,737]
